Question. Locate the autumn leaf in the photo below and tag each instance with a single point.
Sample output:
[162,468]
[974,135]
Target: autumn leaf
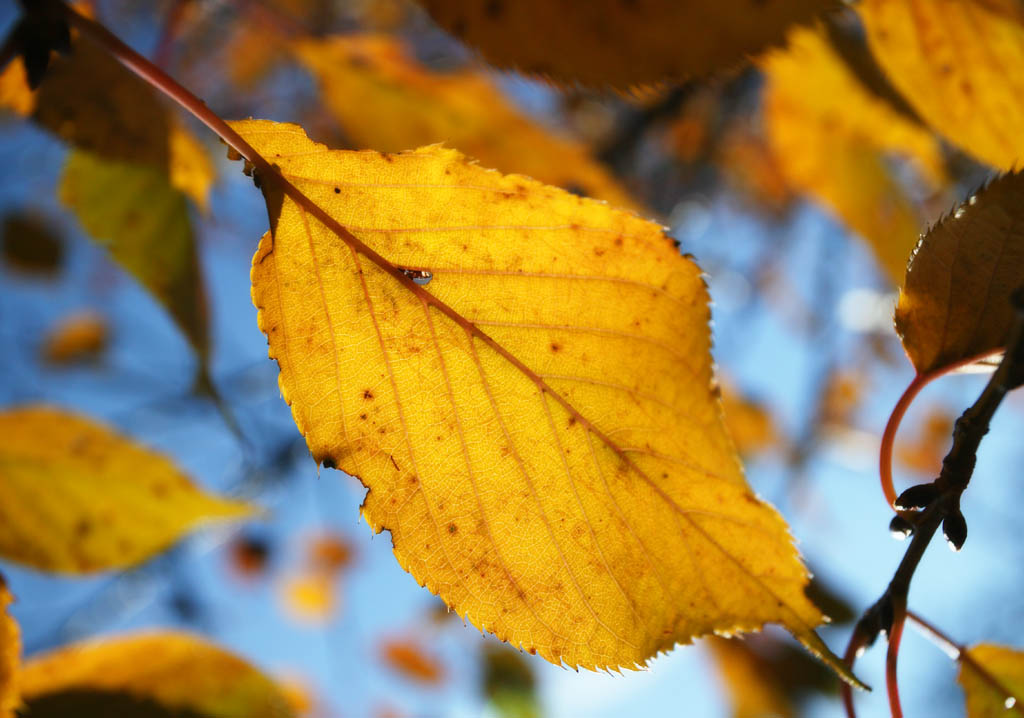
[82,336]
[1003,667]
[610,43]
[955,302]
[176,671]
[76,498]
[143,222]
[368,80]
[30,245]
[954,62]
[752,691]
[10,655]
[537,424]
[830,135]
[410,660]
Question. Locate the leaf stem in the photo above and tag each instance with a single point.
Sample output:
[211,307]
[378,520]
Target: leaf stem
[962,655]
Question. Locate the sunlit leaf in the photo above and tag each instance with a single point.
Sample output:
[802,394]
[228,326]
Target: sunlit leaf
[76,497]
[369,80]
[753,691]
[177,671]
[143,222]
[10,655]
[829,134]
[1006,667]
[79,337]
[955,301]
[620,44]
[30,245]
[508,682]
[409,659]
[956,64]
[537,423]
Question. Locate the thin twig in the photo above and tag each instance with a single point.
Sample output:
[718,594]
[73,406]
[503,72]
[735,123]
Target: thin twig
[888,613]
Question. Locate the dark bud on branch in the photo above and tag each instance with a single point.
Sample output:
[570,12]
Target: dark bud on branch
[954,528]
[917,497]
[900,528]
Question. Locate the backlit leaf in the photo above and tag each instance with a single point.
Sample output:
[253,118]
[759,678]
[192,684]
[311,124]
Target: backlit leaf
[957,63]
[370,80]
[143,221]
[753,692]
[76,497]
[1006,666]
[955,301]
[537,424]
[620,44]
[178,671]
[829,134]
[10,655]
[409,659]
[79,337]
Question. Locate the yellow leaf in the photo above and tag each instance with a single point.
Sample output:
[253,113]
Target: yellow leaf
[620,44]
[955,302]
[78,337]
[76,497]
[957,63]
[1006,666]
[537,425]
[829,134]
[368,81]
[176,670]
[135,213]
[310,597]
[753,692]
[10,655]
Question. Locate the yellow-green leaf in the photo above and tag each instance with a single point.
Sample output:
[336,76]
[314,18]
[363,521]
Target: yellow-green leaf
[620,44]
[177,671]
[999,693]
[10,655]
[958,64]
[75,497]
[369,80]
[143,221]
[829,134]
[537,424]
[955,302]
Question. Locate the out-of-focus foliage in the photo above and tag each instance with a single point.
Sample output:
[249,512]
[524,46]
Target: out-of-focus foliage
[502,313]
[954,61]
[1006,666]
[830,135]
[620,44]
[368,80]
[751,689]
[508,682]
[81,336]
[750,423]
[923,453]
[10,655]
[408,658]
[955,301]
[75,497]
[30,245]
[176,671]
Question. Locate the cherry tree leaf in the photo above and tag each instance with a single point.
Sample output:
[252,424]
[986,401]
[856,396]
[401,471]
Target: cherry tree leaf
[955,301]
[620,44]
[10,655]
[76,498]
[177,672]
[998,693]
[955,62]
[368,80]
[525,386]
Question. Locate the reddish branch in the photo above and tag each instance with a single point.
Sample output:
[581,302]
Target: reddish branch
[889,612]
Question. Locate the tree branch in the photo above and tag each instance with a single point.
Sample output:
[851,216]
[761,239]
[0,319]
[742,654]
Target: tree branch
[942,507]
